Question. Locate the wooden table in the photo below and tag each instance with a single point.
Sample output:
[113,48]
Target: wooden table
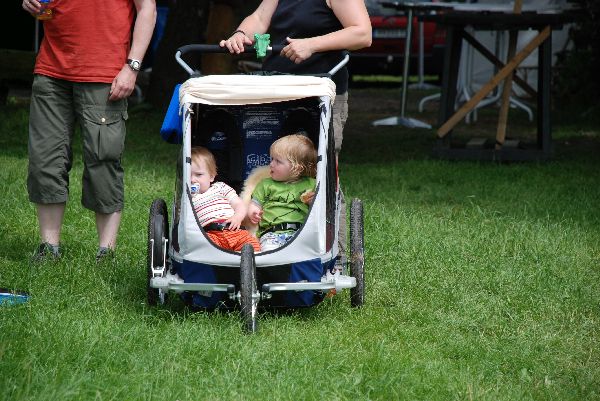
[455,23]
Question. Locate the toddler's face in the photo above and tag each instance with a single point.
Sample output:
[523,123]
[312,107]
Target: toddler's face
[200,175]
[281,168]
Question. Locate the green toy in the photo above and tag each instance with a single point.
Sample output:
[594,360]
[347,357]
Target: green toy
[261,43]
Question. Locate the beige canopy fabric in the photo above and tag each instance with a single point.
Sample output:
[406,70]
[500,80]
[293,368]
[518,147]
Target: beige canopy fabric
[253,89]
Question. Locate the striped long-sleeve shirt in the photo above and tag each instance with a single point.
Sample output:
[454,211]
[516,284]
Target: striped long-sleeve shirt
[213,205]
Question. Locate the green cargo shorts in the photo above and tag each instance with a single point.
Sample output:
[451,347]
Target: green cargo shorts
[56,106]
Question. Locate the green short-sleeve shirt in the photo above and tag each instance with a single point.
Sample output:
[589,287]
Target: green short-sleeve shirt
[281,202]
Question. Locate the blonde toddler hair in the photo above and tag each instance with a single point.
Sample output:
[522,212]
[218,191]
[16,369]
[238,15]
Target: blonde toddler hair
[201,153]
[301,153]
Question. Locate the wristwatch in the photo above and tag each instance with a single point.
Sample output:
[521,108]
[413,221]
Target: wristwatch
[134,64]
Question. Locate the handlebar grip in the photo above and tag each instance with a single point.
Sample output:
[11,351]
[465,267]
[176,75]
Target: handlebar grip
[201,48]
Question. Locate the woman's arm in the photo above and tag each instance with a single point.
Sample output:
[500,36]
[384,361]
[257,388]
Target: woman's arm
[355,34]
[257,22]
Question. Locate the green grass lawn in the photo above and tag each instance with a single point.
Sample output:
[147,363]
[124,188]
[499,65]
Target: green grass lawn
[482,282]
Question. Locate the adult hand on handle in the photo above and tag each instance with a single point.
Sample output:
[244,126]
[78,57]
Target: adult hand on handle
[235,43]
[298,50]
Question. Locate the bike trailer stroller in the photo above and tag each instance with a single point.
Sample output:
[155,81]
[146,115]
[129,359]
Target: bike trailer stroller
[238,117]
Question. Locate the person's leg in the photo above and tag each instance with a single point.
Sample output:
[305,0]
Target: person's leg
[237,240]
[103,132]
[339,116]
[342,230]
[217,238]
[252,240]
[51,122]
[270,241]
[50,218]
[107,226]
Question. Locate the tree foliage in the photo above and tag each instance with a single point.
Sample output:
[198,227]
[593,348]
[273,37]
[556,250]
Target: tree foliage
[577,82]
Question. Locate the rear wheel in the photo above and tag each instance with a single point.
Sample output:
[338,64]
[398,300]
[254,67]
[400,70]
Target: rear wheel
[158,233]
[357,253]
[248,288]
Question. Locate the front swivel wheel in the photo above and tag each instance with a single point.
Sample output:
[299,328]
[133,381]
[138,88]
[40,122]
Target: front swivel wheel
[158,236]
[249,303]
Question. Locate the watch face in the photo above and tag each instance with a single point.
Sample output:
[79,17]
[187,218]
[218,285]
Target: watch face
[135,65]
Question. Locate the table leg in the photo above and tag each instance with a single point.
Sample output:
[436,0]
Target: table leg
[402,120]
[543,100]
[450,75]
[406,67]
[421,83]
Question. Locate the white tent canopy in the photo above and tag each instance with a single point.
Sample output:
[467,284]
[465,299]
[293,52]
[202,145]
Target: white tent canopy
[253,89]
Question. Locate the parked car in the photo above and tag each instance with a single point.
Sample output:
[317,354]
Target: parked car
[386,54]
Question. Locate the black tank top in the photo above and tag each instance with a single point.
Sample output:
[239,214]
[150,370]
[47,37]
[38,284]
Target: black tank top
[299,19]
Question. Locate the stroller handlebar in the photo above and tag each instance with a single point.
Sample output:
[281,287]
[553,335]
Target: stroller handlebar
[218,49]
[202,48]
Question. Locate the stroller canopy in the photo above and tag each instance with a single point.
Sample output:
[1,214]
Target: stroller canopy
[253,89]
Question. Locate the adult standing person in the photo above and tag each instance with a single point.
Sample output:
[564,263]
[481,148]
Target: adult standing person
[86,68]
[315,34]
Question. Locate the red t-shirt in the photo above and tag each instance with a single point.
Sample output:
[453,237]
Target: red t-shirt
[86,40]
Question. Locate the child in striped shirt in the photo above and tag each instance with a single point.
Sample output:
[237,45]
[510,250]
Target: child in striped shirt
[218,208]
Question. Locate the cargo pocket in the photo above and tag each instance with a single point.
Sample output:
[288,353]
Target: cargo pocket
[105,133]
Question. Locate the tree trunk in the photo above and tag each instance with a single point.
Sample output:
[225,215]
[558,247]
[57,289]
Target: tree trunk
[189,22]
[221,22]
[185,25]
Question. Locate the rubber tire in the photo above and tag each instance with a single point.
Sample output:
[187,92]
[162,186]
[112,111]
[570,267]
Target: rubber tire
[247,288]
[357,253]
[158,228]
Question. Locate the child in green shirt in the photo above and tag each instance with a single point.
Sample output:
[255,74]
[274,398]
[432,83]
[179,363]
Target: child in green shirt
[280,203]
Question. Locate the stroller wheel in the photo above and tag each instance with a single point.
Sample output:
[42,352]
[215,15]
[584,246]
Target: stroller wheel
[248,289]
[357,253]
[158,232]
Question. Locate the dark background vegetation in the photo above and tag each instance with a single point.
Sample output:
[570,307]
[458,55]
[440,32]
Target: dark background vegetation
[576,80]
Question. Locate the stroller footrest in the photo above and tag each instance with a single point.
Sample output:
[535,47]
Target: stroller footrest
[169,283]
[337,282]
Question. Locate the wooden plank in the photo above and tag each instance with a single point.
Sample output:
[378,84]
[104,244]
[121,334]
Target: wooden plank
[476,143]
[496,79]
[494,60]
[511,143]
[507,88]
[506,92]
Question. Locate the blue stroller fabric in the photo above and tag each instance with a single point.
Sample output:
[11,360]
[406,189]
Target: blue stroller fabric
[306,271]
[171,130]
